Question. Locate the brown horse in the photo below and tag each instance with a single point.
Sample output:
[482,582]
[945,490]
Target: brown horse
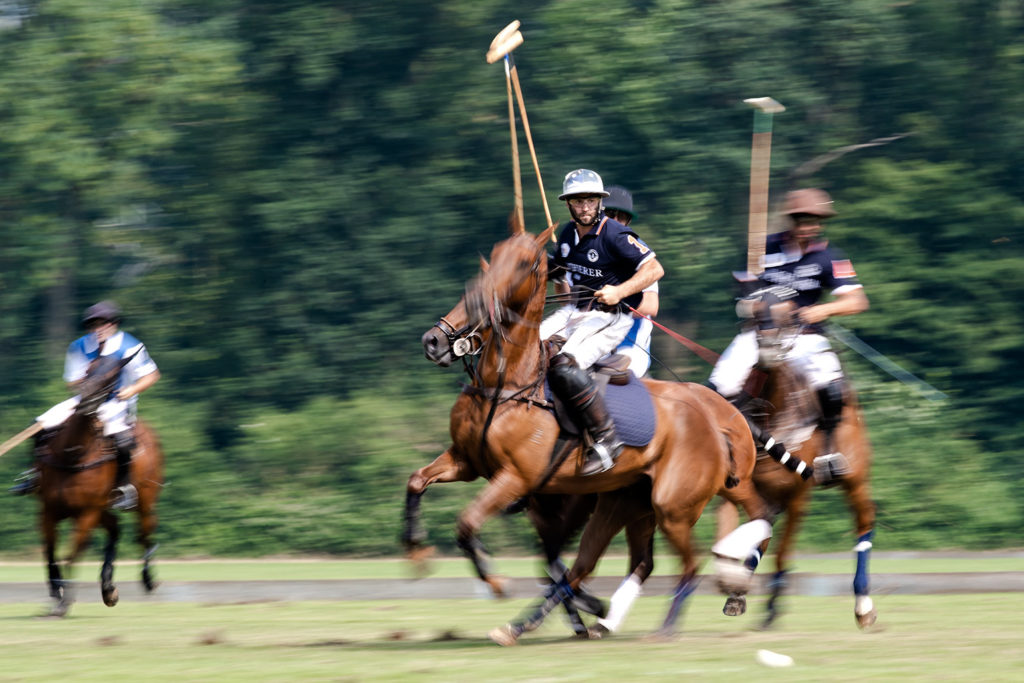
[77,471]
[500,429]
[790,413]
[556,518]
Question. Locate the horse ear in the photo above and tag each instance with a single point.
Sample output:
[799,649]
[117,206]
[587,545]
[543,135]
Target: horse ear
[484,265]
[543,237]
[516,224]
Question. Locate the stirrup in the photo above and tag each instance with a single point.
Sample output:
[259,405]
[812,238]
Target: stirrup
[600,458]
[830,468]
[127,498]
[25,483]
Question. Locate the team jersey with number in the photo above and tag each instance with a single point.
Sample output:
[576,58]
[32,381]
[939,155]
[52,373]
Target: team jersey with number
[607,255]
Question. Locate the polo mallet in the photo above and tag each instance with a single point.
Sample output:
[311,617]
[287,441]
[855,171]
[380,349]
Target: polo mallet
[518,220]
[24,434]
[760,162]
[507,40]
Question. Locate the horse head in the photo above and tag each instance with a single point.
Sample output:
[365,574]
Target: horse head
[452,337]
[772,308]
[512,287]
[100,380]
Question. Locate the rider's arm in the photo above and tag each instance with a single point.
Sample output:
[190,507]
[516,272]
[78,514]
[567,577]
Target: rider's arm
[143,383]
[850,302]
[648,307]
[647,274]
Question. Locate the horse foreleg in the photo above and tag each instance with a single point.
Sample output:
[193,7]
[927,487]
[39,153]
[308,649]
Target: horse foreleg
[727,519]
[678,531]
[864,510]
[443,469]
[107,587]
[777,584]
[504,488]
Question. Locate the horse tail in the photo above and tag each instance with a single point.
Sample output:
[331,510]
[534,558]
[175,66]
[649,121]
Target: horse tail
[779,453]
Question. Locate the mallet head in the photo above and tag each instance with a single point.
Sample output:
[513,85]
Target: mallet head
[504,33]
[504,47]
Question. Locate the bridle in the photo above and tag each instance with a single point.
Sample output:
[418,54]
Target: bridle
[464,341]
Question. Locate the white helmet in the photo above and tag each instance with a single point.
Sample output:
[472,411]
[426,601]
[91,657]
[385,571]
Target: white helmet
[582,181]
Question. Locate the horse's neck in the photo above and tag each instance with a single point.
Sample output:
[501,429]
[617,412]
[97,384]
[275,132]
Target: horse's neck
[75,438]
[514,360]
[792,406]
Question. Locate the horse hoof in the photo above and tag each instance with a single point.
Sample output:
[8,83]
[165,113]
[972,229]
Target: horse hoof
[110,597]
[735,605]
[504,636]
[60,610]
[598,632]
[865,612]
[661,636]
[148,582]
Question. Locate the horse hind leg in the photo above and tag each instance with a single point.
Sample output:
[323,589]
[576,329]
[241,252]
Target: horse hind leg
[107,587]
[54,577]
[147,529]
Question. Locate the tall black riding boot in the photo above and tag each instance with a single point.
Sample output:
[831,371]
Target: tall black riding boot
[831,466]
[125,496]
[575,387]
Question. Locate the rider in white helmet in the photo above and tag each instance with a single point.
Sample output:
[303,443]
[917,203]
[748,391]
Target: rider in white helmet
[603,264]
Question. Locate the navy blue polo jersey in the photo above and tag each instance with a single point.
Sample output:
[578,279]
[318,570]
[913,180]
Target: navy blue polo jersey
[607,255]
[823,268]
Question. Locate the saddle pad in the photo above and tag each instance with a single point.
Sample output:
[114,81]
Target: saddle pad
[629,405]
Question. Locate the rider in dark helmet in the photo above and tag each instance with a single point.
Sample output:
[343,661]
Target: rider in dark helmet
[117,413]
[618,205]
[603,264]
[801,260]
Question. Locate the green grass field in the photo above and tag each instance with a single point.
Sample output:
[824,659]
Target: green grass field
[948,638]
[313,569]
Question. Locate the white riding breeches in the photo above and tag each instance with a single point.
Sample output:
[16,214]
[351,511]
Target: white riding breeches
[637,347]
[117,415]
[590,335]
[811,353]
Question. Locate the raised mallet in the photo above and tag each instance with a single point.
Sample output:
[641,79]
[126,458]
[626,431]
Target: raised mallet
[760,163]
[501,47]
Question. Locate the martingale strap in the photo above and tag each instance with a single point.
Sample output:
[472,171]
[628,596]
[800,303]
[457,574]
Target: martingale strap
[504,395]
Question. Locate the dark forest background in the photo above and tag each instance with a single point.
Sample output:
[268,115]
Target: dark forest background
[283,196]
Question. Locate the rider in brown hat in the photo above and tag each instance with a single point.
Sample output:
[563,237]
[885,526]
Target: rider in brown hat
[802,265]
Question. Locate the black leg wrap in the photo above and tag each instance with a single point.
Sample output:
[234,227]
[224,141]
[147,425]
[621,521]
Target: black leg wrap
[779,453]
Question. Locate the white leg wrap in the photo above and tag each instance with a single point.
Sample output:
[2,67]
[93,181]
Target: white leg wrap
[740,543]
[623,599]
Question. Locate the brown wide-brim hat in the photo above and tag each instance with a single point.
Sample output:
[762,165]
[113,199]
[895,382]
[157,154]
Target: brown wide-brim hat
[809,201]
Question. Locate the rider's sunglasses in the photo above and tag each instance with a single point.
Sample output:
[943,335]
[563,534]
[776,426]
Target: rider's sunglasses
[806,219]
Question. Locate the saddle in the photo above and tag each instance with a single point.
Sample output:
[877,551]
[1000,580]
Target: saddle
[626,398]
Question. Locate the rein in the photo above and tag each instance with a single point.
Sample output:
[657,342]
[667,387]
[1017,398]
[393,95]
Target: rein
[51,461]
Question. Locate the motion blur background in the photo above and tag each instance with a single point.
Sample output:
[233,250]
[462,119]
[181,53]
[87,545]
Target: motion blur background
[283,196]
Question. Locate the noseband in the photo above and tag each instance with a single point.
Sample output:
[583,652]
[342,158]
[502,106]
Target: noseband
[464,341]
